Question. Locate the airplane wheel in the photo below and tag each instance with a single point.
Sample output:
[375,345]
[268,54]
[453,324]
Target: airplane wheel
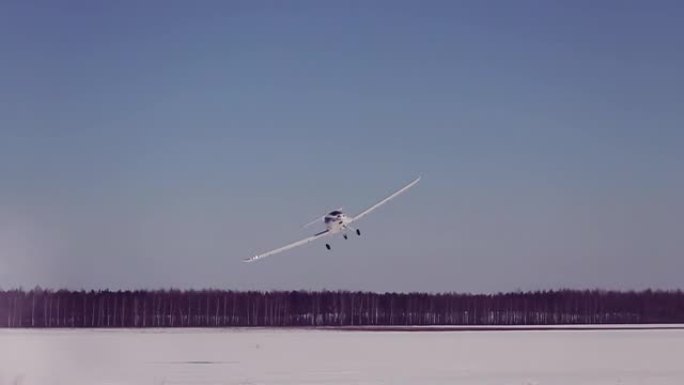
[358,232]
[327,246]
[345,236]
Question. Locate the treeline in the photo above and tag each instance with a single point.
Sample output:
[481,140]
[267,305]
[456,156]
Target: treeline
[217,308]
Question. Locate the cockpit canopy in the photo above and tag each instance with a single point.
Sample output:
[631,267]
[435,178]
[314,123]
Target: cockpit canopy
[335,213]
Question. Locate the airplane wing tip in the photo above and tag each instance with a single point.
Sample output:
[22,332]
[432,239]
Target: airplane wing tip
[251,259]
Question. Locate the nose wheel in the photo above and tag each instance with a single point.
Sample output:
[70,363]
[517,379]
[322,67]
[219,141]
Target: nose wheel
[345,236]
[358,232]
[327,246]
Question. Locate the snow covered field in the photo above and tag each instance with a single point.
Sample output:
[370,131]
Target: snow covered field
[268,356]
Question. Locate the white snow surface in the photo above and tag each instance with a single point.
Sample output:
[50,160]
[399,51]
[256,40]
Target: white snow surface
[292,356]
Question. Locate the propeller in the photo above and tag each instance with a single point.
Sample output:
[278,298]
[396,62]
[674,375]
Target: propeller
[318,219]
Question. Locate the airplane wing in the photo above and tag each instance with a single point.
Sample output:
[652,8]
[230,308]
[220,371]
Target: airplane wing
[375,206]
[288,247]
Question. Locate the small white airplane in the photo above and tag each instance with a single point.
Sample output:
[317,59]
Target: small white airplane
[335,222]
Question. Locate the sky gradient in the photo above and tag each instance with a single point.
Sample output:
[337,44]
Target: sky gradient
[157,144]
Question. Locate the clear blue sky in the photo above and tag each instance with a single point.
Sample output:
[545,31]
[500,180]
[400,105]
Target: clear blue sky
[157,144]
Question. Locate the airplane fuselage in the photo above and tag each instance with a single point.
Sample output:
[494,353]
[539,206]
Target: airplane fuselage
[336,221]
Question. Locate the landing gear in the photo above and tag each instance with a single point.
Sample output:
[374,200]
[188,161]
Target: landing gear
[327,246]
[358,232]
[345,236]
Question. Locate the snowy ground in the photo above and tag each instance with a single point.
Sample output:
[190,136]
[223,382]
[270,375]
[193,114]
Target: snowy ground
[268,356]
